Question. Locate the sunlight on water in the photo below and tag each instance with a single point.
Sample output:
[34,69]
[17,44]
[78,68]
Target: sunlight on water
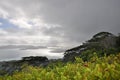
[16,54]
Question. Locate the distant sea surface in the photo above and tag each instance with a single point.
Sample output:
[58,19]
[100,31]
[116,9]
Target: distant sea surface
[17,54]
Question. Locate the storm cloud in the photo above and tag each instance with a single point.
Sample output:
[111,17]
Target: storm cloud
[62,24]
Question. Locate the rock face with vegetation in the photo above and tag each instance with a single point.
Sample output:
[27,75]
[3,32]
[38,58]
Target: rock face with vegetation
[102,43]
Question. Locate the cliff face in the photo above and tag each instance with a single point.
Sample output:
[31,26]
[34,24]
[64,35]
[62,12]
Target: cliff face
[100,41]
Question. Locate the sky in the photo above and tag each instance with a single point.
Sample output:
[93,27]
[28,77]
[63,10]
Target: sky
[49,27]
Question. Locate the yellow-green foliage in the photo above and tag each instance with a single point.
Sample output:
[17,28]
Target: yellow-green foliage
[104,68]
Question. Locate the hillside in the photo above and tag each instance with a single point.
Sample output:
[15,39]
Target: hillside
[104,43]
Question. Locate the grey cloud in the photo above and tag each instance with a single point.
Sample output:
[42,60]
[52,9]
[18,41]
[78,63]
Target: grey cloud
[78,18]
[84,17]
[8,54]
[22,47]
[34,47]
[57,50]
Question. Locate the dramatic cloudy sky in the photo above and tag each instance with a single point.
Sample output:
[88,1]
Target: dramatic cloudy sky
[48,27]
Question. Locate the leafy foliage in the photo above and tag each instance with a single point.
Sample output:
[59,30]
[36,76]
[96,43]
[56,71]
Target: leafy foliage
[103,68]
[88,54]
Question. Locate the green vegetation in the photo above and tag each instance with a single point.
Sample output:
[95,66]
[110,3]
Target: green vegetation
[88,54]
[97,68]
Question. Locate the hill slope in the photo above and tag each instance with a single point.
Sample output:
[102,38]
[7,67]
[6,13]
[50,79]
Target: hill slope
[102,43]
